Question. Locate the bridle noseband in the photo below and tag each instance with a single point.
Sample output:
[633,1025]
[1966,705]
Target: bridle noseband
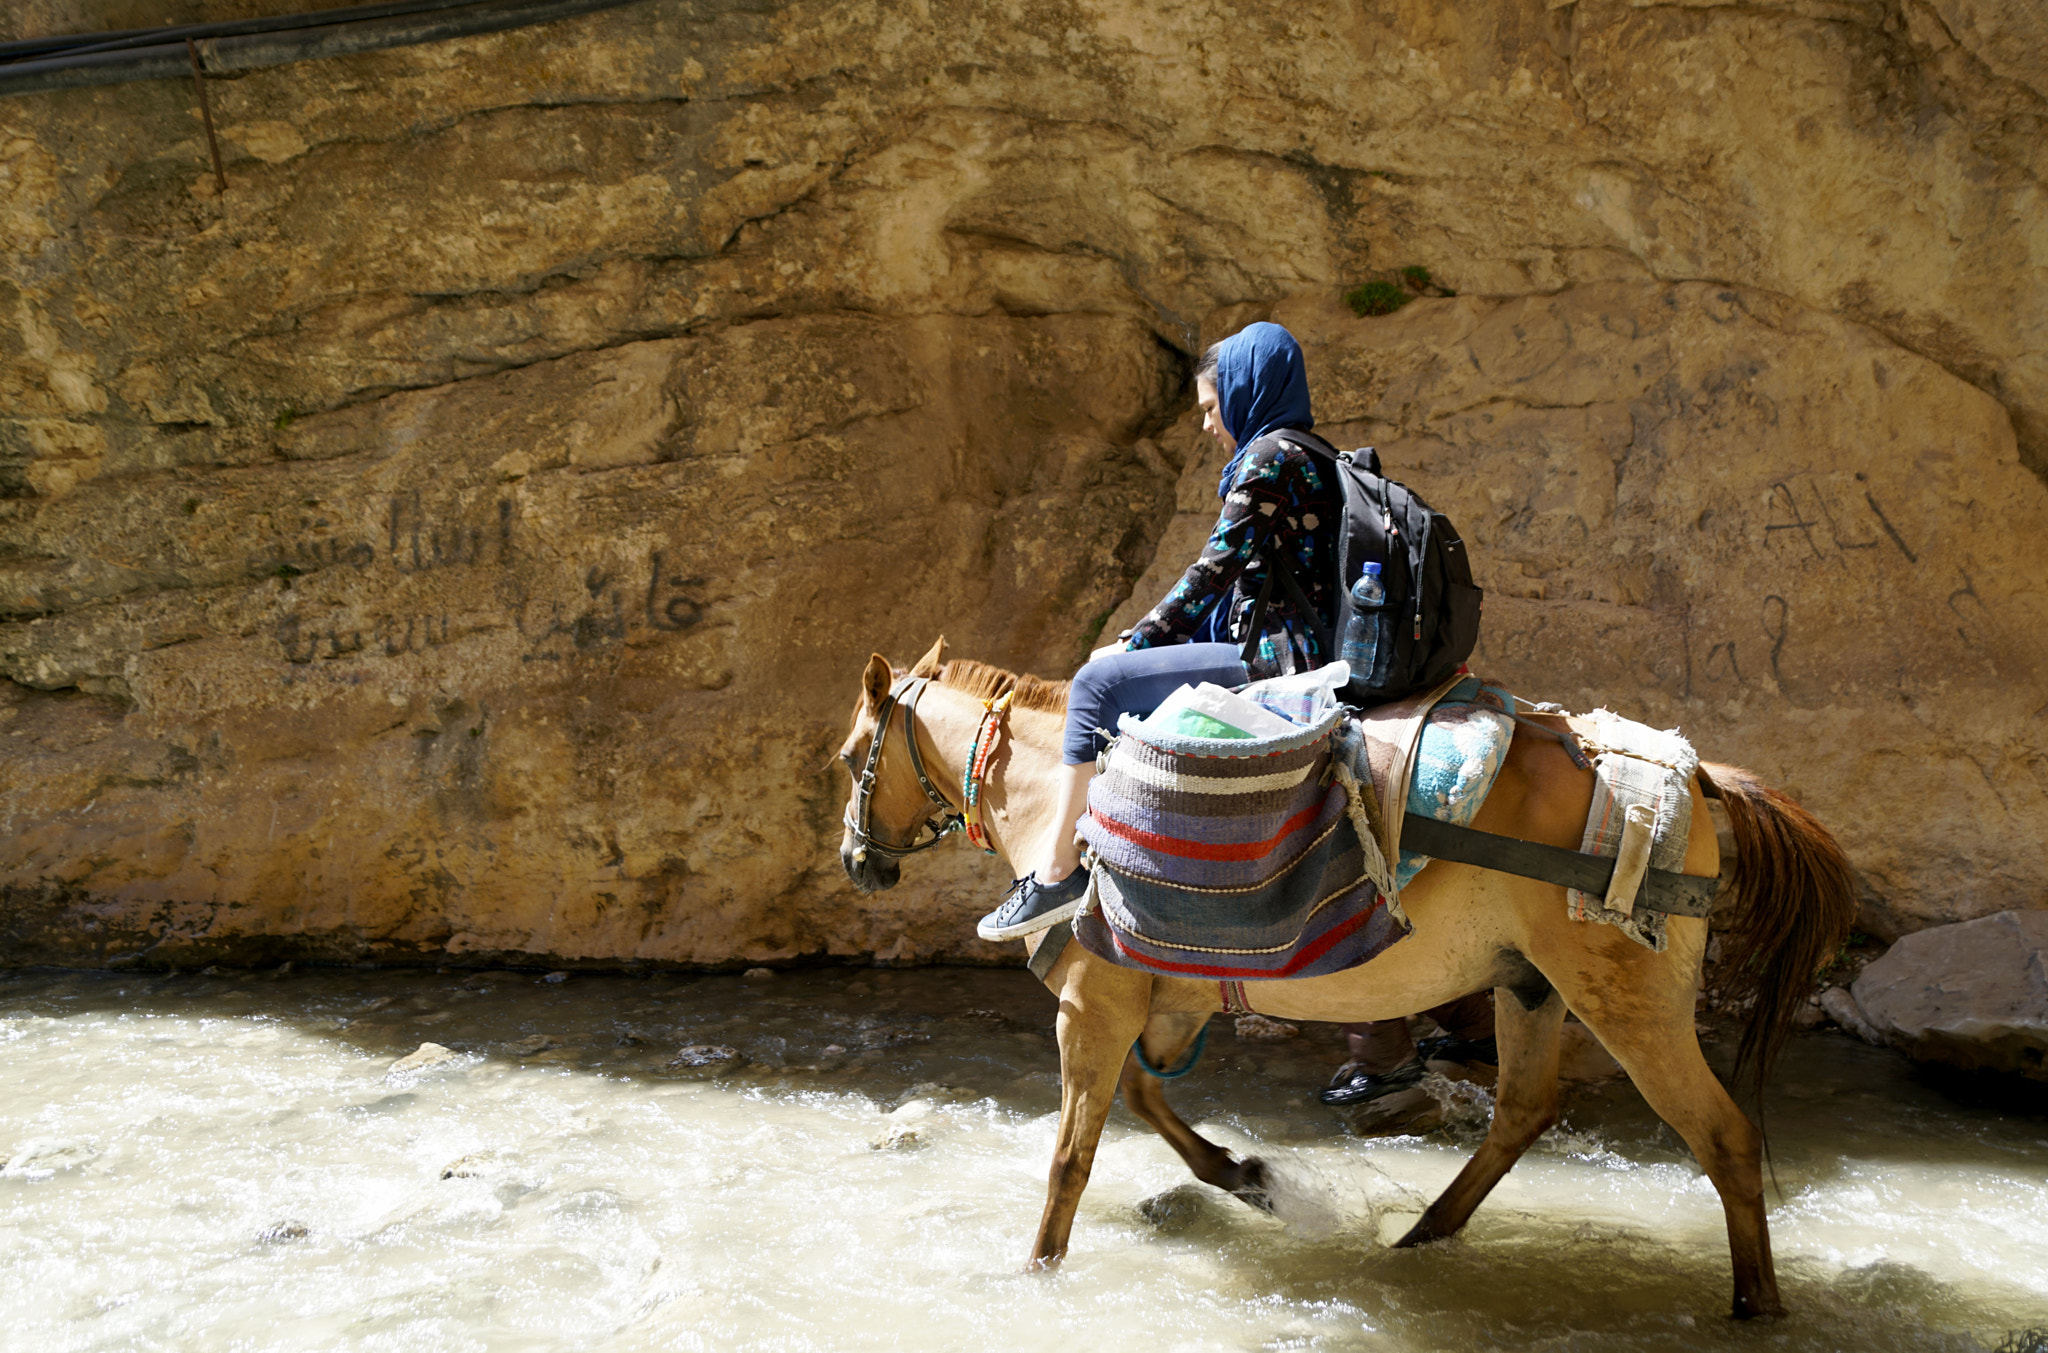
[907,692]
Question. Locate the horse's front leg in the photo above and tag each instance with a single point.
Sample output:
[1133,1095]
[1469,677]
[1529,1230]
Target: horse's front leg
[1168,1039]
[1524,1107]
[1102,1010]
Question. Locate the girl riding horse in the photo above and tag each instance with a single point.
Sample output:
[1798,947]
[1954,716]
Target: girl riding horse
[1279,506]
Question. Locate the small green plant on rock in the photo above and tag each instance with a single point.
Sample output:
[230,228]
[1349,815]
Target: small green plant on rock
[1417,278]
[1376,298]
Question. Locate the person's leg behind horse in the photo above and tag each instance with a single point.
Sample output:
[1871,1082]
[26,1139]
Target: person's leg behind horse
[1104,689]
[1384,1057]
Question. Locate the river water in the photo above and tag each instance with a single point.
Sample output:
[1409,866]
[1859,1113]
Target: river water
[855,1159]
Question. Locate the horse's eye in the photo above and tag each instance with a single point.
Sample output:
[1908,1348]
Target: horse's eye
[846,760]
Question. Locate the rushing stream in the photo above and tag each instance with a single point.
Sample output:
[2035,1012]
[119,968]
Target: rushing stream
[855,1159]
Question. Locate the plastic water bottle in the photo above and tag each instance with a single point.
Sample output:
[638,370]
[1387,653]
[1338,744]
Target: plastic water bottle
[1362,632]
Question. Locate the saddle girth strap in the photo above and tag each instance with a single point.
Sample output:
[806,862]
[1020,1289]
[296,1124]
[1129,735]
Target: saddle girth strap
[1234,1002]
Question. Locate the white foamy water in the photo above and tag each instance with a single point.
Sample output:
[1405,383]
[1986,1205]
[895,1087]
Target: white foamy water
[228,1162]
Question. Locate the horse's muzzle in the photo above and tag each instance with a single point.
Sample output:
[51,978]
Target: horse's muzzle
[870,872]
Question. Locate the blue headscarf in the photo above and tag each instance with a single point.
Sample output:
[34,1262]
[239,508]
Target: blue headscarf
[1261,387]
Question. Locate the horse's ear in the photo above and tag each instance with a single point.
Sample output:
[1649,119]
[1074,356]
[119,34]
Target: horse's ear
[875,682]
[929,664]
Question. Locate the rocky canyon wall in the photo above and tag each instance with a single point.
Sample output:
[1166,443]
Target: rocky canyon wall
[464,533]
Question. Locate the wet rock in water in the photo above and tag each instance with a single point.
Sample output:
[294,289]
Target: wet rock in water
[705,1054]
[1972,996]
[425,1056]
[1401,1113]
[1838,1005]
[41,1157]
[633,1037]
[899,1137]
[928,1093]
[283,1232]
[1260,1029]
[557,978]
[758,975]
[1174,1210]
[475,1166]
[527,1047]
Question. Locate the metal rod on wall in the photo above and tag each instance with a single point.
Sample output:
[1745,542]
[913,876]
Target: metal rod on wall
[220,178]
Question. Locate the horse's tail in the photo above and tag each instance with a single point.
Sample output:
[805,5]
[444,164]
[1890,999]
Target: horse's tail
[1793,901]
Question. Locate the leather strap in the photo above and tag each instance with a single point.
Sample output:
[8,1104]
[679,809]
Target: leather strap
[1663,890]
[1050,948]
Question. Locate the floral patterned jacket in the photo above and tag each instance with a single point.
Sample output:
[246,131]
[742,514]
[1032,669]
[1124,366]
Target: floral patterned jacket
[1282,495]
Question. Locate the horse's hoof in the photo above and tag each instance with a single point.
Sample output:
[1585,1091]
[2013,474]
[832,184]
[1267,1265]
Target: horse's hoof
[1420,1234]
[1253,1185]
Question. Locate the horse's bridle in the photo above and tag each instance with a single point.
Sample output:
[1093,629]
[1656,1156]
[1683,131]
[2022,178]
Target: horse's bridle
[864,784]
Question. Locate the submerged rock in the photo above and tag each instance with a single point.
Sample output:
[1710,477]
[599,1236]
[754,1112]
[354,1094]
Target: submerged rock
[1174,1210]
[899,1137]
[705,1054]
[41,1157]
[282,1232]
[425,1056]
[1973,996]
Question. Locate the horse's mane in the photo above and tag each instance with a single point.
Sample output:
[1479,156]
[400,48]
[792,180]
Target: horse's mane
[986,682]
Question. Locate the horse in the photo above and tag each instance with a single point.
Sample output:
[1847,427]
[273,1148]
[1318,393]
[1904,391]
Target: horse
[1788,907]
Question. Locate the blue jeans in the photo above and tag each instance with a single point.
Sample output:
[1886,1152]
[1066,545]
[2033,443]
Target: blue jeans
[1135,683]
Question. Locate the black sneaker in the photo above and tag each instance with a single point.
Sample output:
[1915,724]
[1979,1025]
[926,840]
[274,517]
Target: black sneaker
[1031,906]
[1352,1087]
[1448,1049]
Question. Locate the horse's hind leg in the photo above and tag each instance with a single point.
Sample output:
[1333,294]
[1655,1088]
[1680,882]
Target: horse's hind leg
[1524,1106]
[1167,1039]
[1667,1067]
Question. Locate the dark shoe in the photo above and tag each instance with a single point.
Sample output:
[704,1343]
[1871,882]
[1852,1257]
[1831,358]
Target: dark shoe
[1353,1087]
[1032,906]
[1448,1049]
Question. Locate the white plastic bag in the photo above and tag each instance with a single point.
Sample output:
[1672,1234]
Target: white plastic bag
[1210,711]
[1304,699]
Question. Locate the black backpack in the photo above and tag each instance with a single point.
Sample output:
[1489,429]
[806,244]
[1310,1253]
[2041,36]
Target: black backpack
[1430,621]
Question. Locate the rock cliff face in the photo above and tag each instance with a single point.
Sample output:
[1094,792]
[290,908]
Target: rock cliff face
[464,533]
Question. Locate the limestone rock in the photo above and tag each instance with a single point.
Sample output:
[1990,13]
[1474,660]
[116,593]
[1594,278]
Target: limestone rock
[425,1056]
[1972,995]
[461,537]
[1840,1006]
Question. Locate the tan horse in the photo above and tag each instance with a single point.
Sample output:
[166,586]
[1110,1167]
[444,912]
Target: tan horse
[1791,906]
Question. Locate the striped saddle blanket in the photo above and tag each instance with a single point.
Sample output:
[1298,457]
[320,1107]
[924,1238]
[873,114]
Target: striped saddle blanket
[1240,862]
[1226,860]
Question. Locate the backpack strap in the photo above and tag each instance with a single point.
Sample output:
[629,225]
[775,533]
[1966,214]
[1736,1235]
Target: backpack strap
[1277,563]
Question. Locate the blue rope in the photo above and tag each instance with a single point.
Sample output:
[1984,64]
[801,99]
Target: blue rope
[1194,1055]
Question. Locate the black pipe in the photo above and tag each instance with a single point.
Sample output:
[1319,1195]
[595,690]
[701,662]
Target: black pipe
[79,43]
[280,45]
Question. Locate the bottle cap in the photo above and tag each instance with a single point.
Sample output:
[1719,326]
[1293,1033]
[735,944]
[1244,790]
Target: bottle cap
[1373,567]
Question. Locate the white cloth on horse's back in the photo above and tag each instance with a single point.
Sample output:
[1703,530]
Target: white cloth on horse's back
[1634,764]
